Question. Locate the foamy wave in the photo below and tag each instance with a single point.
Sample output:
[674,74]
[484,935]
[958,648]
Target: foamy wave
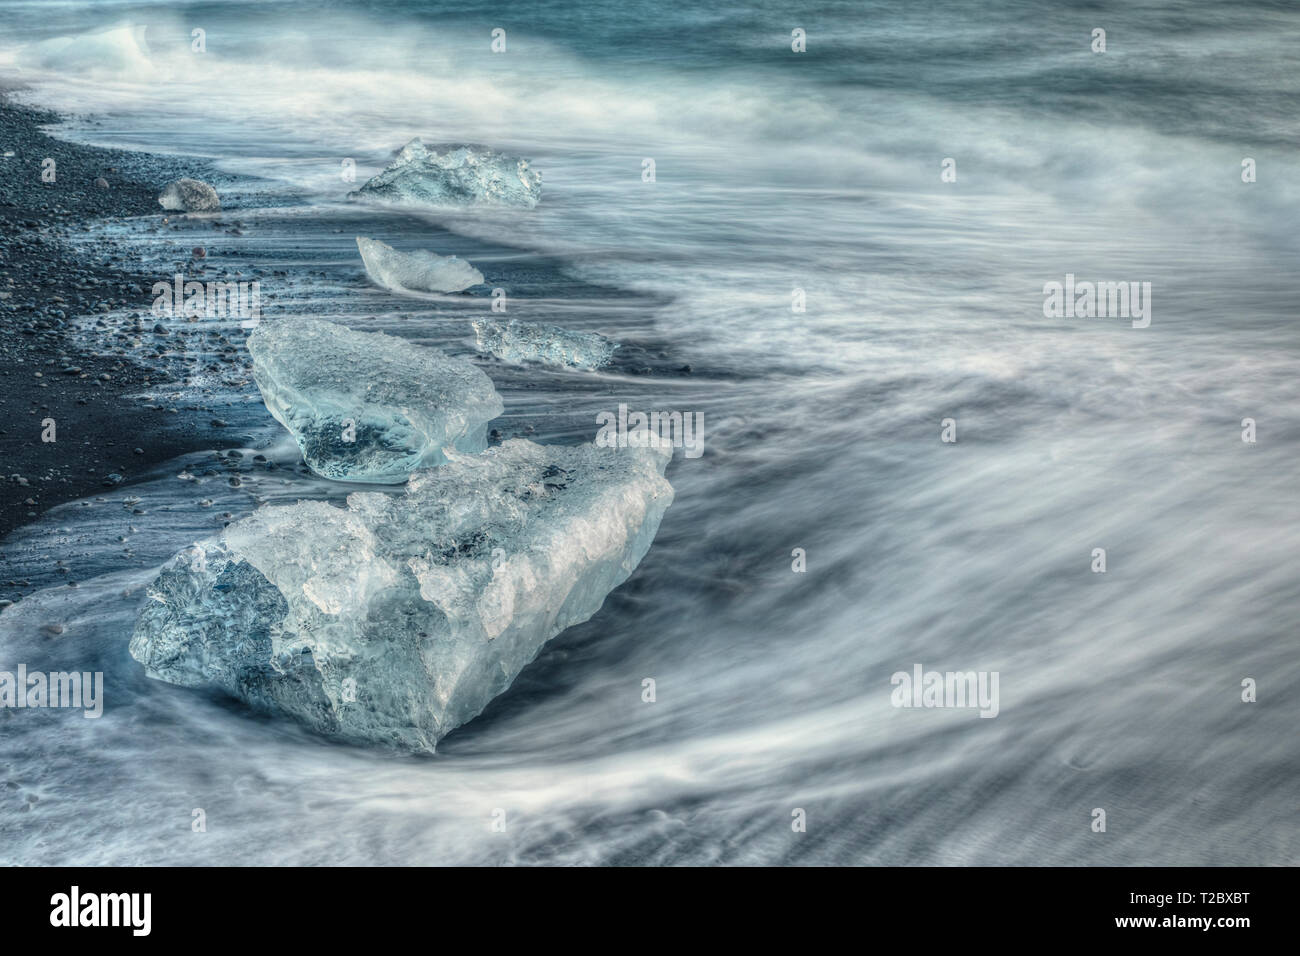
[120,53]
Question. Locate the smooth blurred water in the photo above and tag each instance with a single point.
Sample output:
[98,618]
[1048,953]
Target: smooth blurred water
[774,171]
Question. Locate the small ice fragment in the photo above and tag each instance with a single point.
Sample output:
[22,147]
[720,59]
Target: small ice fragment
[189,195]
[461,176]
[518,342]
[418,271]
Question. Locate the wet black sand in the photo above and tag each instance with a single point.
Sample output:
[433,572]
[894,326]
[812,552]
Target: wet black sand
[102,437]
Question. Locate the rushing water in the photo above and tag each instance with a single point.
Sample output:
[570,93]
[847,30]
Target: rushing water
[774,171]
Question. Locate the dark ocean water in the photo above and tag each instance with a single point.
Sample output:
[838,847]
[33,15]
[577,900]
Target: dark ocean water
[775,171]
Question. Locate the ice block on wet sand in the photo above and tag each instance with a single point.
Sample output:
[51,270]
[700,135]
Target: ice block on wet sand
[399,617]
[364,406]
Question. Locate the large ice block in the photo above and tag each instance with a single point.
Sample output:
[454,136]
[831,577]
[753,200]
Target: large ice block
[399,617]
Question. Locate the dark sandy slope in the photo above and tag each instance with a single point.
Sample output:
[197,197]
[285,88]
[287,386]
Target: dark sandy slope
[102,437]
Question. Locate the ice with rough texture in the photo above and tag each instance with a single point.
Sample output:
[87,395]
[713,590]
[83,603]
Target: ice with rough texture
[419,271]
[461,176]
[400,617]
[365,406]
[189,195]
[519,342]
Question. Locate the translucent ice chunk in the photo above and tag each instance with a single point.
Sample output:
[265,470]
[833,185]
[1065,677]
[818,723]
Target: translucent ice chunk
[418,271]
[400,617]
[463,175]
[365,406]
[518,342]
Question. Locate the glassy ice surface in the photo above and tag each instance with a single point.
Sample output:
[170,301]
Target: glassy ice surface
[418,271]
[364,406]
[463,175]
[399,617]
[520,342]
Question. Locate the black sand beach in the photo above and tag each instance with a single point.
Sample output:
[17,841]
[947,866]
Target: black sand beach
[102,436]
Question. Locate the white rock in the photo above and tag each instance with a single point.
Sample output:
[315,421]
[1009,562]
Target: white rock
[189,195]
[519,342]
[461,176]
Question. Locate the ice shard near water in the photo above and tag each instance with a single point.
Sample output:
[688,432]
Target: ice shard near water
[418,271]
[460,176]
[519,342]
[365,406]
[399,617]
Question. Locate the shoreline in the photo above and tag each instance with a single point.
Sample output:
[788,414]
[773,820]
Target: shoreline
[103,438]
[102,380]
